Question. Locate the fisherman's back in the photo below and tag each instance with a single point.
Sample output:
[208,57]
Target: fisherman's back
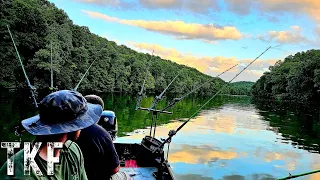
[100,156]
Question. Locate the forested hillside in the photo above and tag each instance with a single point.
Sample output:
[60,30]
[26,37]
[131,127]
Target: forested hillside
[296,79]
[239,88]
[35,24]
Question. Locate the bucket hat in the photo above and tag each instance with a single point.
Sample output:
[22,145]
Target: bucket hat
[62,111]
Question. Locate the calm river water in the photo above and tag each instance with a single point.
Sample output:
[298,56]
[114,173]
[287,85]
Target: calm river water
[230,139]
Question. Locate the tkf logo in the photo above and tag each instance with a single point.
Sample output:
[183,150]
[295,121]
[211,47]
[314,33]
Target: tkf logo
[29,156]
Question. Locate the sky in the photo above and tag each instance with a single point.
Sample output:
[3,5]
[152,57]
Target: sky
[209,35]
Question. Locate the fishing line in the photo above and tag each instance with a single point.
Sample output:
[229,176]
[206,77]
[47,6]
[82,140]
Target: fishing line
[158,98]
[282,50]
[174,132]
[75,88]
[176,100]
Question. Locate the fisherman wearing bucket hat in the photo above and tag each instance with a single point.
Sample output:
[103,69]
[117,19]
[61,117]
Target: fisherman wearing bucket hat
[62,114]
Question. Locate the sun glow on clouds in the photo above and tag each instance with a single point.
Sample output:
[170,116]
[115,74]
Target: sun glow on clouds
[295,33]
[267,8]
[205,64]
[292,36]
[215,64]
[275,8]
[178,29]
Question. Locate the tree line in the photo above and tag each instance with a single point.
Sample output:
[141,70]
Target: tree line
[295,80]
[239,88]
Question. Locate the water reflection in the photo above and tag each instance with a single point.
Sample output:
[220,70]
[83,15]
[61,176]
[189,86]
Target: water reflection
[205,154]
[232,143]
[230,139]
[193,177]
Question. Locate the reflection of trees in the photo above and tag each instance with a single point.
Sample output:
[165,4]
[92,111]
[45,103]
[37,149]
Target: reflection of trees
[129,119]
[14,107]
[298,126]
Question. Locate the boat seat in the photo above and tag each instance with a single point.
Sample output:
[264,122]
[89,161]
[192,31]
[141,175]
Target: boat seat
[139,173]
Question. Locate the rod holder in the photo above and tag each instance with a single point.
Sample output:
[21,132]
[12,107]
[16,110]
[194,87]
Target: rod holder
[154,110]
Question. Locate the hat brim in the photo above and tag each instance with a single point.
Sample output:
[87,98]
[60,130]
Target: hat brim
[35,126]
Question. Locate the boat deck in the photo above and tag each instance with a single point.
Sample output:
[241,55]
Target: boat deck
[140,163]
[139,173]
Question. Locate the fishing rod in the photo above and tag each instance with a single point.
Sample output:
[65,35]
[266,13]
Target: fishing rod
[18,129]
[51,69]
[158,98]
[174,132]
[144,81]
[32,89]
[299,175]
[156,112]
[75,88]
[176,100]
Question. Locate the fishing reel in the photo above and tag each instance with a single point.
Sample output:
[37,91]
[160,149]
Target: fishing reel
[147,157]
[153,155]
[152,144]
[18,131]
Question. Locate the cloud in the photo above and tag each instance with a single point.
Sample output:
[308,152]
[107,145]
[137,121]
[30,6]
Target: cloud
[292,36]
[241,7]
[206,64]
[265,7]
[256,72]
[252,73]
[270,9]
[258,64]
[199,6]
[216,64]
[101,2]
[114,4]
[178,29]
[196,7]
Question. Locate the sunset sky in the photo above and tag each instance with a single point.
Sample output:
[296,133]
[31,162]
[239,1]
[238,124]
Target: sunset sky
[210,35]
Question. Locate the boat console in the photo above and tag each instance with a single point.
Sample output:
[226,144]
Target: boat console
[146,159]
[141,160]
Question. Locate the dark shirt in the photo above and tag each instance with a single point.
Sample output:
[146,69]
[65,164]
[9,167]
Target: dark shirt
[100,156]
